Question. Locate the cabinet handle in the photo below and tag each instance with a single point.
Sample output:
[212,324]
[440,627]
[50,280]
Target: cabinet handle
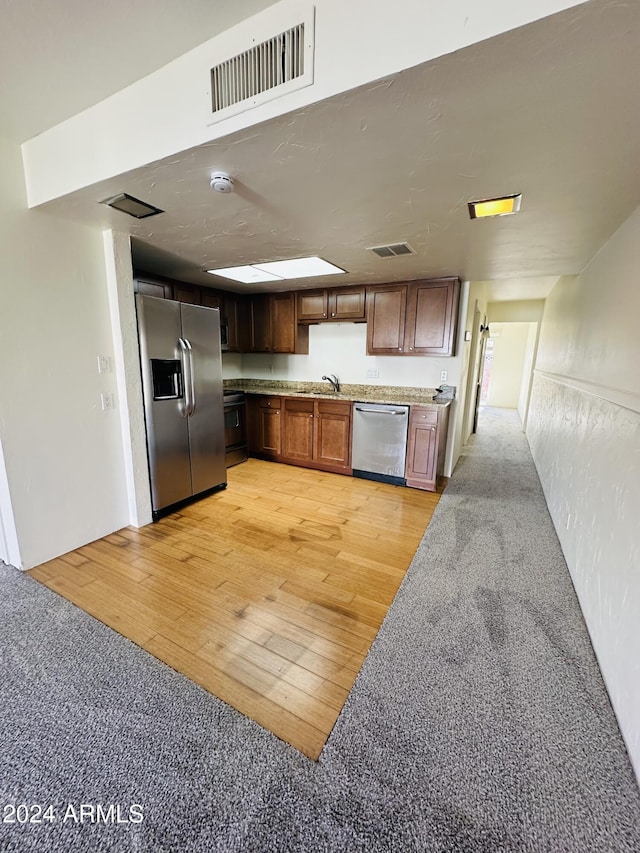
[433,429]
[411,349]
[333,314]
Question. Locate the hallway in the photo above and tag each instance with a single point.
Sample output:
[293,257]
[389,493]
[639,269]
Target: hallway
[479,720]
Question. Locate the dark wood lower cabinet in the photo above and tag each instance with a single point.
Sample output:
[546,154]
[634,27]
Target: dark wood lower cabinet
[426,446]
[297,429]
[265,426]
[317,434]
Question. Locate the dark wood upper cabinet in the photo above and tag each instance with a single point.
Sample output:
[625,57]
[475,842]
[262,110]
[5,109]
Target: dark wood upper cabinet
[347,303]
[210,299]
[160,289]
[190,293]
[260,323]
[283,322]
[432,310]
[386,316]
[334,304]
[274,326]
[312,306]
[413,318]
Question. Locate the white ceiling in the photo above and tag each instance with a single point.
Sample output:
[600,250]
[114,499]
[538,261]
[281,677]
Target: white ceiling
[549,110]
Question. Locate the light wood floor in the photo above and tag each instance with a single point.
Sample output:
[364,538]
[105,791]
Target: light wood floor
[268,594]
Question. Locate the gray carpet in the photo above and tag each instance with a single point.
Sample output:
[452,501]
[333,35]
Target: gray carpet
[479,721]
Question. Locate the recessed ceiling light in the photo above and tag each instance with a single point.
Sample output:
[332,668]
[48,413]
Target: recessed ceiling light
[502,206]
[279,270]
[300,268]
[246,274]
[132,206]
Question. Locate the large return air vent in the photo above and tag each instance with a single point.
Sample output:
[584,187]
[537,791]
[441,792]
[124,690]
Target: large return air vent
[278,65]
[393,250]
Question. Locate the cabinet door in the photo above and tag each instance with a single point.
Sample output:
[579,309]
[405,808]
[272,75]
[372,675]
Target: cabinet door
[422,449]
[210,299]
[153,288]
[189,293]
[270,432]
[312,306]
[283,322]
[260,324]
[386,309]
[297,430]
[347,303]
[264,426]
[235,310]
[431,317]
[332,439]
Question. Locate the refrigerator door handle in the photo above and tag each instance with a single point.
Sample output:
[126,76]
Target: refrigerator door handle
[185,407]
[192,384]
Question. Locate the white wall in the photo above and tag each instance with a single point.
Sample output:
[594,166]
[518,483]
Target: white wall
[475,314]
[355,43]
[584,431]
[341,348]
[507,365]
[63,454]
[527,373]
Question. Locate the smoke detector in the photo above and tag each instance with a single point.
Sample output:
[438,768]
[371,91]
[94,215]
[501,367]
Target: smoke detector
[221,182]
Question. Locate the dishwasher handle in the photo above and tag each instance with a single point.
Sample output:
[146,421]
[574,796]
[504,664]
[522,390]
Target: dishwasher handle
[381,411]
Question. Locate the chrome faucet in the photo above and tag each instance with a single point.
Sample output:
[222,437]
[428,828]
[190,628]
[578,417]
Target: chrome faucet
[335,382]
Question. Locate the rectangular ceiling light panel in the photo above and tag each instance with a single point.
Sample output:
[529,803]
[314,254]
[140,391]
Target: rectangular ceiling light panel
[245,275]
[279,270]
[502,206]
[300,268]
[280,64]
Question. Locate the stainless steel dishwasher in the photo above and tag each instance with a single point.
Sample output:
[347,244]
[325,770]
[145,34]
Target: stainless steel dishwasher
[379,444]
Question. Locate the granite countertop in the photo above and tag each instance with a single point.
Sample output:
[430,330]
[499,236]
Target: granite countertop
[390,394]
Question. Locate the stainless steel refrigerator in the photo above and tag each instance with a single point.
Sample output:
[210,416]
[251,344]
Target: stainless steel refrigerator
[181,363]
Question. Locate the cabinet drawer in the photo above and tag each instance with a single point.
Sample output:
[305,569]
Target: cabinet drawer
[334,407]
[269,402]
[420,415]
[296,404]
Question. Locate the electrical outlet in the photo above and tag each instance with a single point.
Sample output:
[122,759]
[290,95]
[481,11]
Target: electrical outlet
[104,365]
[107,402]
[443,376]
[373,373]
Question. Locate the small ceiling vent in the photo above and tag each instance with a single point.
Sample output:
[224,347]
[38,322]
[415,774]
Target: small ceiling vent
[393,250]
[278,65]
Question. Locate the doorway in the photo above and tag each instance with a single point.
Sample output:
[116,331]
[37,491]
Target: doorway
[507,366]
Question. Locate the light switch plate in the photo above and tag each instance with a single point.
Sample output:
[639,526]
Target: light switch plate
[443,376]
[373,373]
[104,365]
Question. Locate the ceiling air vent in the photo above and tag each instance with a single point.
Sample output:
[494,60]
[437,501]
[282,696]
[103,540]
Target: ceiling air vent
[278,65]
[393,250]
